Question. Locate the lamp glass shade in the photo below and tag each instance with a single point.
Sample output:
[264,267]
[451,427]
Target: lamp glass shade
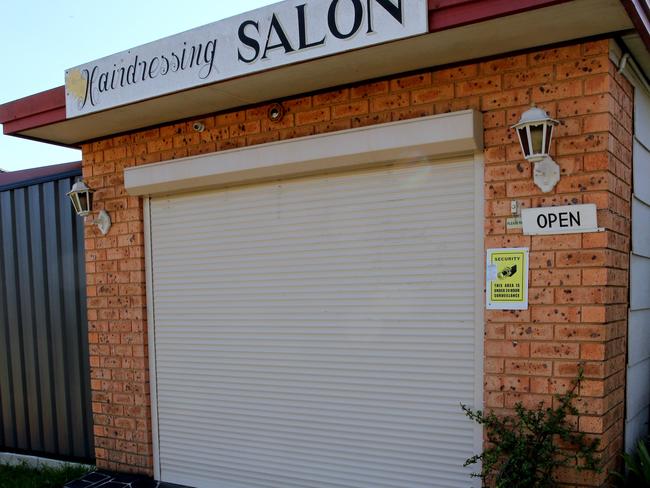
[523,139]
[549,137]
[535,131]
[537,140]
[81,198]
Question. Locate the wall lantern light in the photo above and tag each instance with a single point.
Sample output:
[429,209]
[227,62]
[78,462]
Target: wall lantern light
[81,197]
[535,132]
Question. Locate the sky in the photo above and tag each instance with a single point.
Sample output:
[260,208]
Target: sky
[40,39]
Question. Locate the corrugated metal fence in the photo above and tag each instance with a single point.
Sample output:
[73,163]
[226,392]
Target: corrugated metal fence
[44,368]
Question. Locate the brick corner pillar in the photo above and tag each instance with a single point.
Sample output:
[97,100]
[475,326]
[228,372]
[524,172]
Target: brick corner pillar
[578,282]
[117,324]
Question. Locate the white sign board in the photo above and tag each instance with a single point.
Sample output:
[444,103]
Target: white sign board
[507,279]
[285,33]
[567,219]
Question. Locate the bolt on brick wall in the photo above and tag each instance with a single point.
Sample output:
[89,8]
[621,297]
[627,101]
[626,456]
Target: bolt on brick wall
[578,283]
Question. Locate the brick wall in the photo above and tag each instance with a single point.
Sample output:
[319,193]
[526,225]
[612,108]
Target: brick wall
[578,283]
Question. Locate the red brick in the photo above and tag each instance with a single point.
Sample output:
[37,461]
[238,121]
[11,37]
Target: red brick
[494,365]
[529,332]
[557,91]
[389,102]
[494,119]
[540,295]
[580,332]
[507,316]
[528,400]
[498,66]
[410,82]
[579,295]
[528,77]
[511,171]
[592,352]
[602,276]
[571,241]
[333,126]
[328,98]
[478,86]
[494,399]
[582,67]
[555,313]
[297,104]
[160,144]
[467,103]
[369,89]
[351,109]
[582,144]
[495,331]
[453,74]
[584,105]
[595,47]
[507,241]
[506,99]
[433,94]
[581,258]
[313,116]
[598,84]
[541,259]
[551,350]
[507,383]
[529,367]
[403,114]
[554,55]
[507,349]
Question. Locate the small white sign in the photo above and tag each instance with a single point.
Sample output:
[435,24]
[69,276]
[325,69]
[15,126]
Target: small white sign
[566,219]
[285,33]
[513,223]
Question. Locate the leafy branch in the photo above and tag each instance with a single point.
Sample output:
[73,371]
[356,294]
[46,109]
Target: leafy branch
[525,450]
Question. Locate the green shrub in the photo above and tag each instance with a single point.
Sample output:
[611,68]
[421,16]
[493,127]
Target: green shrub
[523,450]
[638,467]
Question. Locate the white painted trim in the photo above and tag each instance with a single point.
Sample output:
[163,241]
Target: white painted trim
[151,334]
[636,402]
[479,304]
[12,459]
[436,136]
[629,68]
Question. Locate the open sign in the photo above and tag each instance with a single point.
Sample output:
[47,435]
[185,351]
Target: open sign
[566,219]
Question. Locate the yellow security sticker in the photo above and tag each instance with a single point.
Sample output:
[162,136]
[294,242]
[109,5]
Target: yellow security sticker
[507,279]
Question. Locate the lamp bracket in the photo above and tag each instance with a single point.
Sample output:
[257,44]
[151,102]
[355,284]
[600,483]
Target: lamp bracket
[103,222]
[546,174]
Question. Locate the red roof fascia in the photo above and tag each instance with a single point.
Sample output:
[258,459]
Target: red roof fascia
[446,14]
[639,12]
[43,108]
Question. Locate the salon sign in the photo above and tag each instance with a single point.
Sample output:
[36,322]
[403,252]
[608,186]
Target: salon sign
[285,33]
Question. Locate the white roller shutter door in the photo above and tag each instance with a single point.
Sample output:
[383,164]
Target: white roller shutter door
[318,332]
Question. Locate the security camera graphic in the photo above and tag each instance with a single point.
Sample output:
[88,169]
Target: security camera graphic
[507,272]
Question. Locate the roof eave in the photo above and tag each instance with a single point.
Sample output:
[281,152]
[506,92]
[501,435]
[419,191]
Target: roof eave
[42,110]
[640,15]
